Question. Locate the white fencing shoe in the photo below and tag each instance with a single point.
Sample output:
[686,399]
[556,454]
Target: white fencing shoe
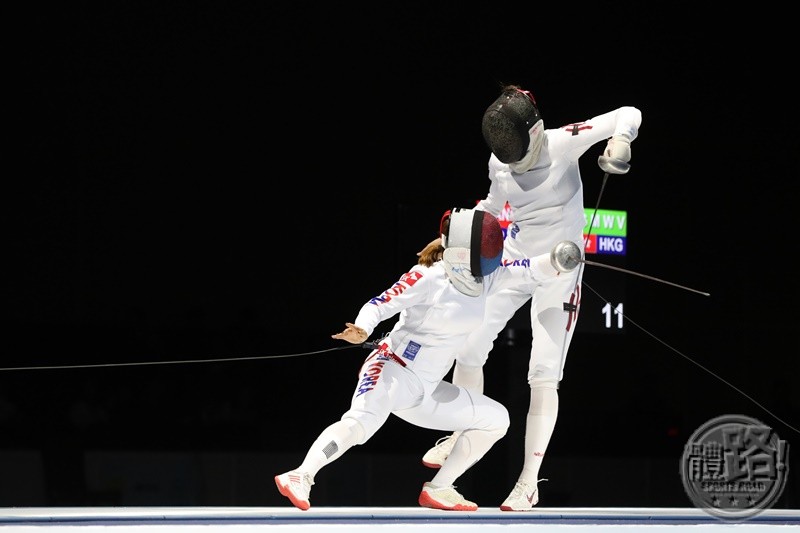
[522,498]
[436,456]
[446,498]
[296,486]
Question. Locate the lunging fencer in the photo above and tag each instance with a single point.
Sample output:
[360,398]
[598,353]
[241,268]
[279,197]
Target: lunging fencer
[440,300]
[536,172]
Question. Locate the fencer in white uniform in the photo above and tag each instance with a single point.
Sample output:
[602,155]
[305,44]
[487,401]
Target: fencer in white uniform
[536,172]
[439,304]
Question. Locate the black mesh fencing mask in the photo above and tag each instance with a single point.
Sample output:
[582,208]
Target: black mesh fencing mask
[507,122]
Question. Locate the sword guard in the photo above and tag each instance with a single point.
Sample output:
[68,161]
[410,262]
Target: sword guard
[565,256]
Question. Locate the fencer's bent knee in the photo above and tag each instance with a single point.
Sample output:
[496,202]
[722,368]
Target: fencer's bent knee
[500,420]
[498,427]
[545,369]
[495,434]
[362,424]
[504,421]
[356,427]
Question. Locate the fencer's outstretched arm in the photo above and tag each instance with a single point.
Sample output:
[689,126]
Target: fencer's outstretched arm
[412,288]
[564,257]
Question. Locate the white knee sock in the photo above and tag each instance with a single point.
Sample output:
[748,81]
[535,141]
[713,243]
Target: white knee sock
[331,444]
[471,445]
[539,425]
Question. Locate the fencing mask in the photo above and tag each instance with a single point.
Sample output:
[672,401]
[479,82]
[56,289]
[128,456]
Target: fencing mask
[513,128]
[473,247]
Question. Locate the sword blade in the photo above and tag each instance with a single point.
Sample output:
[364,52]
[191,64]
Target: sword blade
[593,263]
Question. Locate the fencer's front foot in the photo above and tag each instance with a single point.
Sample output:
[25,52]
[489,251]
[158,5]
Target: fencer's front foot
[446,498]
[522,498]
[565,256]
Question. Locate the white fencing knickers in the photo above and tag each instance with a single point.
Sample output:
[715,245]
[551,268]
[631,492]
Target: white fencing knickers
[552,325]
[386,386]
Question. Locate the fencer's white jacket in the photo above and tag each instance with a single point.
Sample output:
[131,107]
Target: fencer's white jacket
[435,318]
[547,201]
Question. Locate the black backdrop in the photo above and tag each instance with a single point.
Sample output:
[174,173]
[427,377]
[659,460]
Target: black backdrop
[201,181]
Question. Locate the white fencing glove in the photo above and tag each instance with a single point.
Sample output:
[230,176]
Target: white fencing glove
[616,155]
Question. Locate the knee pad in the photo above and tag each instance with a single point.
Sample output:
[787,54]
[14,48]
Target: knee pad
[489,435]
[361,430]
[493,435]
[356,427]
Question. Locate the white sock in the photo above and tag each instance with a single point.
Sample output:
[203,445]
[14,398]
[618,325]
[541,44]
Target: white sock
[331,444]
[539,425]
[468,450]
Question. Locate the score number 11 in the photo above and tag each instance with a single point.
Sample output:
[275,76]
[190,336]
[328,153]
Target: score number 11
[609,312]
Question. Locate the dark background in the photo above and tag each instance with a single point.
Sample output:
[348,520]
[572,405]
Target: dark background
[197,195]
